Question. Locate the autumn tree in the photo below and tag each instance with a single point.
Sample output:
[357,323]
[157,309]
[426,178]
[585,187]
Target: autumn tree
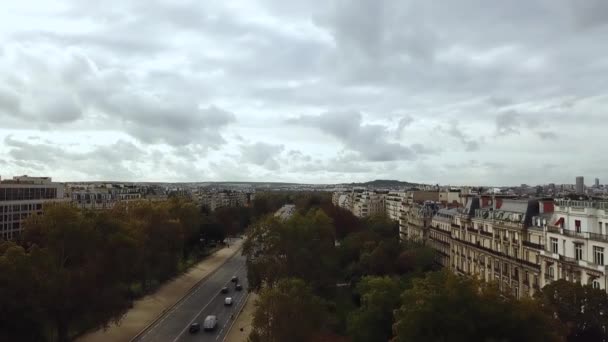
[75,277]
[302,247]
[288,311]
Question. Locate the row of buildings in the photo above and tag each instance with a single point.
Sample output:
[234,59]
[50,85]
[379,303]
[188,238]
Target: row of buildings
[214,199]
[522,244]
[23,196]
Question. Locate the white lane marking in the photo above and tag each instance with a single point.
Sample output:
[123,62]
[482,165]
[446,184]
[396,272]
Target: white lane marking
[157,324]
[196,316]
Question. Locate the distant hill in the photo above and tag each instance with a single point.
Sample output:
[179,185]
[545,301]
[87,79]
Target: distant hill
[384,183]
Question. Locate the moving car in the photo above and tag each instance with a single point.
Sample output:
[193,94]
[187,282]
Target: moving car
[238,287]
[228,301]
[210,323]
[225,289]
[235,279]
[194,328]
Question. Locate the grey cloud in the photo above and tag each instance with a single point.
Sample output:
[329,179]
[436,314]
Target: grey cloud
[457,132]
[262,154]
[102,162]
[404,122]
[9,102]
[547,135]
[367,139]
[425,149]
[508,123]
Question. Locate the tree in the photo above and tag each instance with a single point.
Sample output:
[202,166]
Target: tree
[72,269]
[21,316]
[277,249]
[373,320]
[582,309]
[287,312]
[344,222]
[445,307]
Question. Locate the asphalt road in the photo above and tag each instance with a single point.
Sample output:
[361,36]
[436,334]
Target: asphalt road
[205,300]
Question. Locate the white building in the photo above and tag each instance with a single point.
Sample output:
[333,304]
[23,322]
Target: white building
[226,198]
[22,197]
[577,243]
[393,203]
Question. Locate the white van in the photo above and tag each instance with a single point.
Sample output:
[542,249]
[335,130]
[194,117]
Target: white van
[210,323]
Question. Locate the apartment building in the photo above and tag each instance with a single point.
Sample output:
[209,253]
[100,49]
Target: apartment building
[440,235]
[368,203]
[22,197]
[393,202]
[576,243]
[226,198]
[341,199]
[419,217]
[491,240]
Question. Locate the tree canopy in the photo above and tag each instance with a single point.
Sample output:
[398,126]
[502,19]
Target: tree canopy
[288,311]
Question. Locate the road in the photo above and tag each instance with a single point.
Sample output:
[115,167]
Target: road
[204,300]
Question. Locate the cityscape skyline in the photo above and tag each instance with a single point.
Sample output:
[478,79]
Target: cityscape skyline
[321,91]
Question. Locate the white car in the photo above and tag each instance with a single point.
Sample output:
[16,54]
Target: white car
[228,301]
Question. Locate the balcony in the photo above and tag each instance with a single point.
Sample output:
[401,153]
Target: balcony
[533,245]
[573,233]
[553,229]
[483,232]
[568,259]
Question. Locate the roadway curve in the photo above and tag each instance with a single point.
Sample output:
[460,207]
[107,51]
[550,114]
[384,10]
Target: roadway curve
[204,300]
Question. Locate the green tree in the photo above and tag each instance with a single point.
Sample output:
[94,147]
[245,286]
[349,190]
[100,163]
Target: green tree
[74,276]
[277,249]
[21,317]
[373,320]
[287,312]
[582,309]
[445,307]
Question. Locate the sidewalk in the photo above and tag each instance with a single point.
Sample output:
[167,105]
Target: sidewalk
[148,308]
[243,321]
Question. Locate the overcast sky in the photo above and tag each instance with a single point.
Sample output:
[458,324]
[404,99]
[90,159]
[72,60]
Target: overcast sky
[450,92]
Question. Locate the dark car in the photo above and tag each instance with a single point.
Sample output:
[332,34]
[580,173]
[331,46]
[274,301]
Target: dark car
[238,287]
[235,279]
[194,328]
[224,289]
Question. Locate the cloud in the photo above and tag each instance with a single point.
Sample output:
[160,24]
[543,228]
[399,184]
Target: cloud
[188,82]
[508,123]
[457,132]
[262,154]
[369,140]
[403,123]
[101,163]
[547,135]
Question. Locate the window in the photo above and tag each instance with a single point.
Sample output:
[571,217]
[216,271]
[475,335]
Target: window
[554,245]
[598,255]
[577,225]
[596,284]
[578,251]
